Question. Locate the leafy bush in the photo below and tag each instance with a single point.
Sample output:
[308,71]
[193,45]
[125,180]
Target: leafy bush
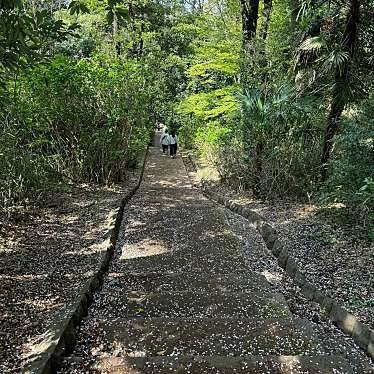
[22,168]
[74,47]
[84,120]
[282,137]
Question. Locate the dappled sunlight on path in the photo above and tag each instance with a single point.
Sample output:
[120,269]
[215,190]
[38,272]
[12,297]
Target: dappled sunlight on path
[180,296]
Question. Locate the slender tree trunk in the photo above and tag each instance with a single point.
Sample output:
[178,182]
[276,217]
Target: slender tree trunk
[117,44]
[257,167]
[249,12]
[266,13]
[294,11]
[258,154]
[266,18]
[342,79]
[134,45]
[141,41]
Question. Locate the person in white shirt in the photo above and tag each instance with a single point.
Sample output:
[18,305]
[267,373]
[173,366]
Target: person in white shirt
[173,142]
[164,141]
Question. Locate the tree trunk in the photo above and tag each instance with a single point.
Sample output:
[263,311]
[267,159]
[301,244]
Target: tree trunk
[134,44]
[266,18]
[117,44]
[249,12]
[257,167]
[141,41]
[294,11]
[342,79]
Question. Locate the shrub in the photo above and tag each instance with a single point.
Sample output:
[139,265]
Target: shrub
[84,120]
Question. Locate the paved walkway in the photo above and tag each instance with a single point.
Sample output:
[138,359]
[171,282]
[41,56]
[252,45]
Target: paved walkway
[179,296]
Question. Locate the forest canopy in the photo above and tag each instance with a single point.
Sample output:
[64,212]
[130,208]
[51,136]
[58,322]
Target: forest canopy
[276,95]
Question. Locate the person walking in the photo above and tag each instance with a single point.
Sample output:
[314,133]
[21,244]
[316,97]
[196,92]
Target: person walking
[164,141]
[173,141]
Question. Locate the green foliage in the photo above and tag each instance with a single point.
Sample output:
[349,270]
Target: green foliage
[79,103]
[352,180]
[25,35]
[212,104]
[284,123]
[87,115]
[83,120]
[177,38]
[74,47]
[209,139]
[208,108]
[77,7]
[224,63]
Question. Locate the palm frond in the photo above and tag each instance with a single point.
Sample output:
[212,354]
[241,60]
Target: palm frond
[304,9]
[249,99]
[335,60]
[284,93]
[312,44]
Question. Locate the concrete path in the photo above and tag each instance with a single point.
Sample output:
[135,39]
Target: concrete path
[179,297]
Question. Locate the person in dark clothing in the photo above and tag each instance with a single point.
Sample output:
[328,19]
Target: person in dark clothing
[173,142]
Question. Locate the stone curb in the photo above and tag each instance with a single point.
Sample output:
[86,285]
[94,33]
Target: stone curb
[348,323]
[60,338]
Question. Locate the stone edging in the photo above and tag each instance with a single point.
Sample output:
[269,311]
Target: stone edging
[60,337]
[347,322]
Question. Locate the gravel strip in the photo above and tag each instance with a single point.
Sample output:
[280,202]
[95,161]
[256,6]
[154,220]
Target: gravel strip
[334,263]
[259,259]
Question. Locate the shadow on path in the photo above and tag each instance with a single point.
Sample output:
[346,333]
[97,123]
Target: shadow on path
[180,298]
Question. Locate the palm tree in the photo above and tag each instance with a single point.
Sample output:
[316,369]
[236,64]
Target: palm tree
[259,109]
[333,61]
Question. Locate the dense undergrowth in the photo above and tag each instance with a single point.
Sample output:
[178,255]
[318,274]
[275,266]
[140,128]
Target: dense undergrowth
[76,119]
[263,119]
[82,120]
[284,109]
[72,110]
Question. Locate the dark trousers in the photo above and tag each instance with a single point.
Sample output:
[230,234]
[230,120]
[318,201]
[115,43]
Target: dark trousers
[164,148]
[173,149]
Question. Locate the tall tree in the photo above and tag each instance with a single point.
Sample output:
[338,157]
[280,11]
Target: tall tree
[268,4]
[249,13]
[342,81]
[294,12]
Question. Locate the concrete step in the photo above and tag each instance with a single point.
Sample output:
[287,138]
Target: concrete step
[170,242]
[156,282]
[212,336]
[188,232]
[321,364]
[184,261]
[198,304]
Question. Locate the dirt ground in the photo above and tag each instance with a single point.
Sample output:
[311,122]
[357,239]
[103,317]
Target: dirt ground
[46,254]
